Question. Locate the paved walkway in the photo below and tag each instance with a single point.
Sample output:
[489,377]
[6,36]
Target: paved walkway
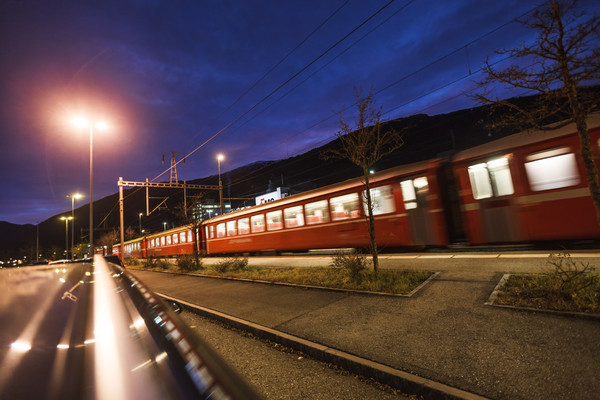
[444,333]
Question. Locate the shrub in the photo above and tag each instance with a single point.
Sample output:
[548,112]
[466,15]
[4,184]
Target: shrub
[569,277]
[187,262]
[355,263]
[128,261]
[232,264]
[155,262]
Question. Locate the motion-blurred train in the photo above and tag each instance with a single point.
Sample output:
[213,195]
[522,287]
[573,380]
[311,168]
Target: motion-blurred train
[527,187]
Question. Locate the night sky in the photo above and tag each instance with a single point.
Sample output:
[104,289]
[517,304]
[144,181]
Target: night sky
[270,76]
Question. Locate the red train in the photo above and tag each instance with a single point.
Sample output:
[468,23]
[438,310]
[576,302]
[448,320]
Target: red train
[526,187]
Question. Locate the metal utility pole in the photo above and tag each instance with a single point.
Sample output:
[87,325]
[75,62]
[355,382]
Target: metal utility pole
[173,178]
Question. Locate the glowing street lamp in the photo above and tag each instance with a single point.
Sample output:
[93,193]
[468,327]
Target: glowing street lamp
[66,219]
[84,123]
[140,218]
[220,157]
[73,197]
[164,226]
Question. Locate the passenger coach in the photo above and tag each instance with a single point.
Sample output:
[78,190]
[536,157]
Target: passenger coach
[528,187]
[407,208]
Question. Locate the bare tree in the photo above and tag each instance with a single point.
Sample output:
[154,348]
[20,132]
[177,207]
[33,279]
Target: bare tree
[364,144]
[561,62]
[108,239]
[130,233]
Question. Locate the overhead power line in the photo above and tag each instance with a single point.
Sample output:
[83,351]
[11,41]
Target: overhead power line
[282,84]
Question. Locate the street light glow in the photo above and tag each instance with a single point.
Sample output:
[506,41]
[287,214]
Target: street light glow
[220,157]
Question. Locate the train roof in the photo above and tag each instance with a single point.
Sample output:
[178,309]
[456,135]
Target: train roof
[405,170]
[523,138]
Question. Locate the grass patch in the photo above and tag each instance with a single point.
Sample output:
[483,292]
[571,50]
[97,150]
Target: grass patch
[386,281]
[569,286]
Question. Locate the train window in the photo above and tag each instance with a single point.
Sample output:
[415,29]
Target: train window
[258,223]
[168,240]
[413,191]
[243,226]
[182,237]
[344,207]
[316,213]
[293,216]
[175,238]
[221,230]
[211,232]
[551,169]
[162,240]
[274,220]
[383,201]
[189,236]
[491,179]
[231,228]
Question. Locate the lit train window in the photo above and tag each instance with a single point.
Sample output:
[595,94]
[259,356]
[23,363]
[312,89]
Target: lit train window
[552,169]
[258,223]
[211,231]
[189,235]
[491,179]
[182,237]
[162,240]
[243,226]
[344,207]
[293,216]
[274,220]
[411,188]
[168,240]
[221,230]
[175,238]
[383,201]
[231,228]
[316,212]
[152,243]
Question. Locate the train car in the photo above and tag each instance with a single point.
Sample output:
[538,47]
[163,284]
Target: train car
[131,248]
[171,242]
[407,207]
[528,187]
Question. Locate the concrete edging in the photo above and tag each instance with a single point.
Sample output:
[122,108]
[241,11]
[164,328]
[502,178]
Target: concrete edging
[404,381]
[312,287]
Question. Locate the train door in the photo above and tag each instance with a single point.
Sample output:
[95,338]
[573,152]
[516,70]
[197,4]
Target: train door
[415,192]
[492,187]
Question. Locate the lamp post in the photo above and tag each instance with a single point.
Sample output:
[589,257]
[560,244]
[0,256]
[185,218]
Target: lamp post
[83,123]
[140,218]
[220,157]
[164,226]
[66,219]
[73,197]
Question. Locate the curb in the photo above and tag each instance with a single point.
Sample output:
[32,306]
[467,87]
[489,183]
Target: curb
[404,381]
[295,285]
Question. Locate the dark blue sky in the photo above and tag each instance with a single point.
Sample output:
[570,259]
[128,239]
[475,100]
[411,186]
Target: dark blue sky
[168,75]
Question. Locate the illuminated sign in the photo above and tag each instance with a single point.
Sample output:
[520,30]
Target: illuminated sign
[276,195]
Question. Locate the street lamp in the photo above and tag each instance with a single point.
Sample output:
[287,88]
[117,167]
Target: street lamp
[84,123]
[164,226]
[220,157]
[140,218]
[73,197]
[66,219]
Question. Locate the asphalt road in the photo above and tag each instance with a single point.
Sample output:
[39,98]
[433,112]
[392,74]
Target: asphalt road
[279,373]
